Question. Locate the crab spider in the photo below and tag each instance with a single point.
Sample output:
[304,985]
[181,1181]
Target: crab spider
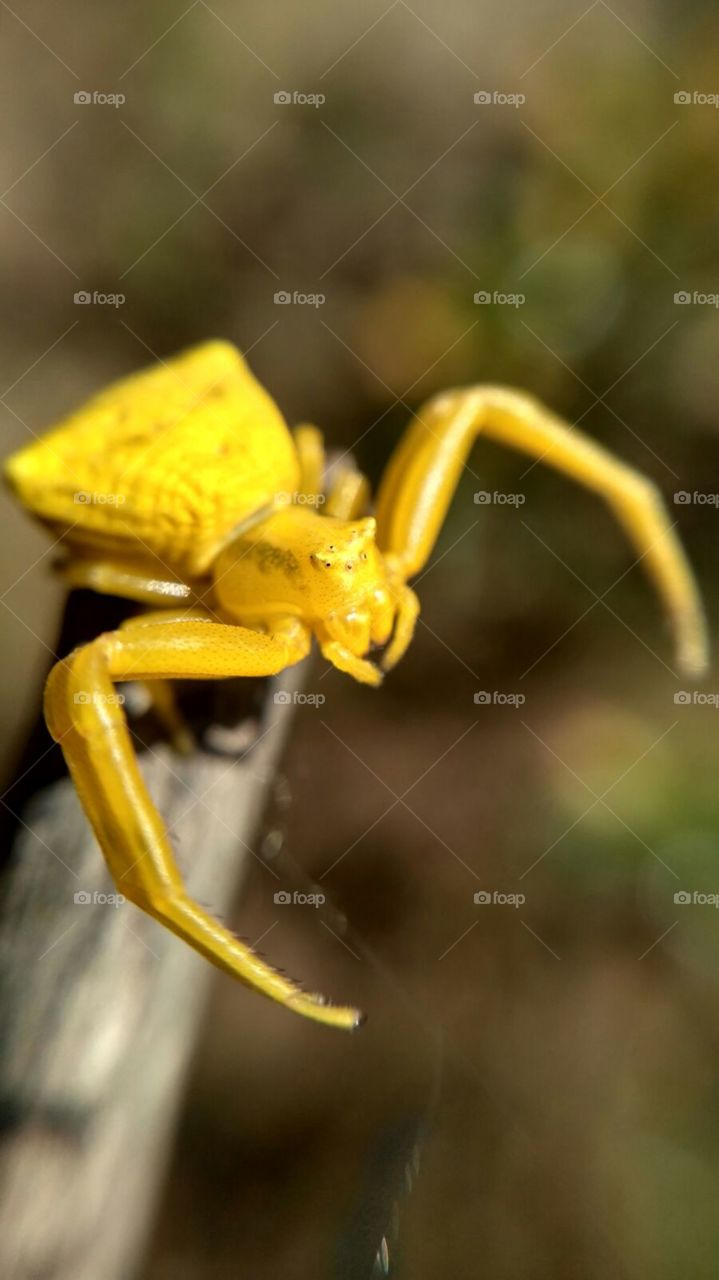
[183,489]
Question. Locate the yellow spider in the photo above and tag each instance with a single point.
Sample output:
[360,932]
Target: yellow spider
[182,487]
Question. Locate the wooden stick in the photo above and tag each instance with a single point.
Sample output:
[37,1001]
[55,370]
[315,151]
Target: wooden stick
[99,1009]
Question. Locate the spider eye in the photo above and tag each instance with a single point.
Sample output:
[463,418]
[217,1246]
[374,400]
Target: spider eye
[327,564]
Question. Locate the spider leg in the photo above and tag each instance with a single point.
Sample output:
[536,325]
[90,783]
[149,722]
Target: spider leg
[134,580]
[84,716]
[131,581]
[349,493]
[311,452]
[423,473]
[336,653]
[164,705]
[407,606]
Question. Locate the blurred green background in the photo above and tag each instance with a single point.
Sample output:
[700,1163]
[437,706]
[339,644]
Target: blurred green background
[574,1128]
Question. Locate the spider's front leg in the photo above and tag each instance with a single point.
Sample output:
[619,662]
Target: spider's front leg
[424,470]
[83,714]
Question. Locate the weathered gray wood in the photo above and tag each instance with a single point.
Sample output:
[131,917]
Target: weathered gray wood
[99,1006]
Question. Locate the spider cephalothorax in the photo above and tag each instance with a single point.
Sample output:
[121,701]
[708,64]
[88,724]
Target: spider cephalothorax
[327,571]
[182,488]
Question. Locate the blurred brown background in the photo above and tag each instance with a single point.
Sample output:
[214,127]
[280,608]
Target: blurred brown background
[564,1052]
